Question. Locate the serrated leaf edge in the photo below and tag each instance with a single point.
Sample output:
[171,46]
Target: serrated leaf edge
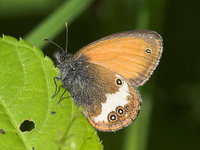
[34,50]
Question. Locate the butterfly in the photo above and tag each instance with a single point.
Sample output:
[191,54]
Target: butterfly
[102,77]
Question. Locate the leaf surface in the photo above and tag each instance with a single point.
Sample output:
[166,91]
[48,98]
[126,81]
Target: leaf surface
[26,89]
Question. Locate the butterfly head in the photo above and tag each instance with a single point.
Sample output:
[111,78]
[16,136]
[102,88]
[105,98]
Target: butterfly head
[65,63]
[62,57]
[71,69]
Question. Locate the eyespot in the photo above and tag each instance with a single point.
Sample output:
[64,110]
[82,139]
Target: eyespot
[148,50]
[112,117]
[127,107]
[118,82]
[120,111]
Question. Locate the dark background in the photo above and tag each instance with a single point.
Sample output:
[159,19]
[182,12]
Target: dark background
[175,116]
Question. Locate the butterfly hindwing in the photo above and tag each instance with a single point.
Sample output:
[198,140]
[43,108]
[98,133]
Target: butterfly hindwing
[110,102]
[118,111]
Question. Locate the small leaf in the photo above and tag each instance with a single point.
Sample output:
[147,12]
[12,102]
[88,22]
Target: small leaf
[29,117]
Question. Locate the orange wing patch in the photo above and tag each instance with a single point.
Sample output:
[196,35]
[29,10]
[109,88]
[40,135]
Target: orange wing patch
[134,55]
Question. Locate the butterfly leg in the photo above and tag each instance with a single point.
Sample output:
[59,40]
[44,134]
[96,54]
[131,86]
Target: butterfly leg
[55,92]
[60,99]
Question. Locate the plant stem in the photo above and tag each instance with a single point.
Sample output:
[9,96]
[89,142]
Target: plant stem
[136,137]
[137,134]
[55,23]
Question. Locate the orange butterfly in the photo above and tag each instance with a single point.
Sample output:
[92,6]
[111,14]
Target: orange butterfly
[102,77]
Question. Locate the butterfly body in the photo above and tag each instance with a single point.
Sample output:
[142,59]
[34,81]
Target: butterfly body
[102,77]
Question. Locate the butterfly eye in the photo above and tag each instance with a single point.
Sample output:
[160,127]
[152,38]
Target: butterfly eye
[62,58]
[112,117]
[148,50]
[127,107]
[120,111]
[118,82]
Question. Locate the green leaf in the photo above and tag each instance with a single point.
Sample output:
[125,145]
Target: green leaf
[26,89]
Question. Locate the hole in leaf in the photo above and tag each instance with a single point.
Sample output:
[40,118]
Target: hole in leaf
[53,112]
[27,125]
[2,131]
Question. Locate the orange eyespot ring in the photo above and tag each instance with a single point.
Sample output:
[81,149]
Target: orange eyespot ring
[118,82]
[120,111]
[127,107]
[112,117]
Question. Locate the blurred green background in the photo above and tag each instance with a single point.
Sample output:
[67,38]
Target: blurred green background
[170,114]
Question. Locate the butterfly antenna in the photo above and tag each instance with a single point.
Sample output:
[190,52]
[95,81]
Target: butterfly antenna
[48,40]
[66,37]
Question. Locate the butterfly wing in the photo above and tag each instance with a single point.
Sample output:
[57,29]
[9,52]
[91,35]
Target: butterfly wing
[134,55]
[115,65]
[119,110]
[109,101]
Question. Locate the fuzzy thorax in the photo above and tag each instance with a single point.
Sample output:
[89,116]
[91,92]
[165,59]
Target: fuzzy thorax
[73,74]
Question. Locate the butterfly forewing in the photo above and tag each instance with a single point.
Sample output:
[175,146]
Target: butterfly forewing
[134,55]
